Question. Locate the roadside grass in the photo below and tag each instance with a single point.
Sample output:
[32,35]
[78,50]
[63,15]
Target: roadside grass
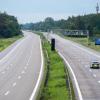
[5,42]
[84,41]
[56,85]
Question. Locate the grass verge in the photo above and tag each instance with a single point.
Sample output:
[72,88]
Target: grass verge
[85,42]
[5,42]
[56,85]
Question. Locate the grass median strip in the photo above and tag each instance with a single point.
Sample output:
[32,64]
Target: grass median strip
[56,85]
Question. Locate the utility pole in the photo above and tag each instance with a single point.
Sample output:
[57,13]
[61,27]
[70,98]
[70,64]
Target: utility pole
[97,8]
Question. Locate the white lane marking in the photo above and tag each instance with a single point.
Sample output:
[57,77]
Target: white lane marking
[94,75]
[29,57]
[25,67]
[86,66]
[98,81]
[7,93]
[5,57]
[83,49]
[40,75]
[23,72]
[90,70]
[3,72]
[76,82]
[19,77]
[14,84]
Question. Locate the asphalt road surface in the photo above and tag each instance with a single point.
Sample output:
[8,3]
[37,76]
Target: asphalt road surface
[21,69]
[86,81]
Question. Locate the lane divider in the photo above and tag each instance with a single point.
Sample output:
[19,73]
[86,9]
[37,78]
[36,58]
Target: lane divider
[94,75]
[7,93]
[34,93]
[19,77]
[76,82]
[14,84]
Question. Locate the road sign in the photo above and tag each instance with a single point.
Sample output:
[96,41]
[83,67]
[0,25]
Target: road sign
[97,41]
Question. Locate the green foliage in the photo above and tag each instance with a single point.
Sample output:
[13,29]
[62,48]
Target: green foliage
[5,42]
[85,42]
[89,22]
[55,86]
[9,26]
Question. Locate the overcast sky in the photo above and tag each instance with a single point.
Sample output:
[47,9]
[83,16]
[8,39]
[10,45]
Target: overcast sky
[38,10]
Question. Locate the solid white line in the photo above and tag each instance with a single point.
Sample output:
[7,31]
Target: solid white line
[40,75]
[76,82]
[83,49]
[23,39]
[7,93]
[14,84]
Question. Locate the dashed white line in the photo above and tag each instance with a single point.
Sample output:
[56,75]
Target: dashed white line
[19,77]
[7,93]
[76,82]
[29,57]
[23,72]
[25,67]
[40,75]
[90,70]
[86,66]
[94,75]
[98,81]
[3,72]
[14,84]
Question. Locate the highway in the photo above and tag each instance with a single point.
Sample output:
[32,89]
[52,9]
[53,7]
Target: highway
[21,69]
[86,81]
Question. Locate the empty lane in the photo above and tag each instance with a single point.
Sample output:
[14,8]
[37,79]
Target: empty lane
[20,69]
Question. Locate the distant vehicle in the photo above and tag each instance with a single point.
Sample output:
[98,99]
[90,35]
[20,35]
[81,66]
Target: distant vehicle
[95,65]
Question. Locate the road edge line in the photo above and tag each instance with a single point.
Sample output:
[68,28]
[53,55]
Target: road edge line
[21,41]
[76,82]
[40,75]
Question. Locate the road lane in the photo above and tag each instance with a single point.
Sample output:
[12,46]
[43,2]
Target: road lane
[79,58]
[20,69]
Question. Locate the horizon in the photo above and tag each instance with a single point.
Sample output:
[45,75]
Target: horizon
[31,11]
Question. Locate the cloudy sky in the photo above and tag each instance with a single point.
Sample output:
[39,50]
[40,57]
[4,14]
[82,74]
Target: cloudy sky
[38,10]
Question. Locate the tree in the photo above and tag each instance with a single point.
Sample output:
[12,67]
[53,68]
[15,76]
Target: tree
[8,26]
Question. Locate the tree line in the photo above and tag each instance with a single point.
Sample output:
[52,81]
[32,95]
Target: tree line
[9,26]
[85,22]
